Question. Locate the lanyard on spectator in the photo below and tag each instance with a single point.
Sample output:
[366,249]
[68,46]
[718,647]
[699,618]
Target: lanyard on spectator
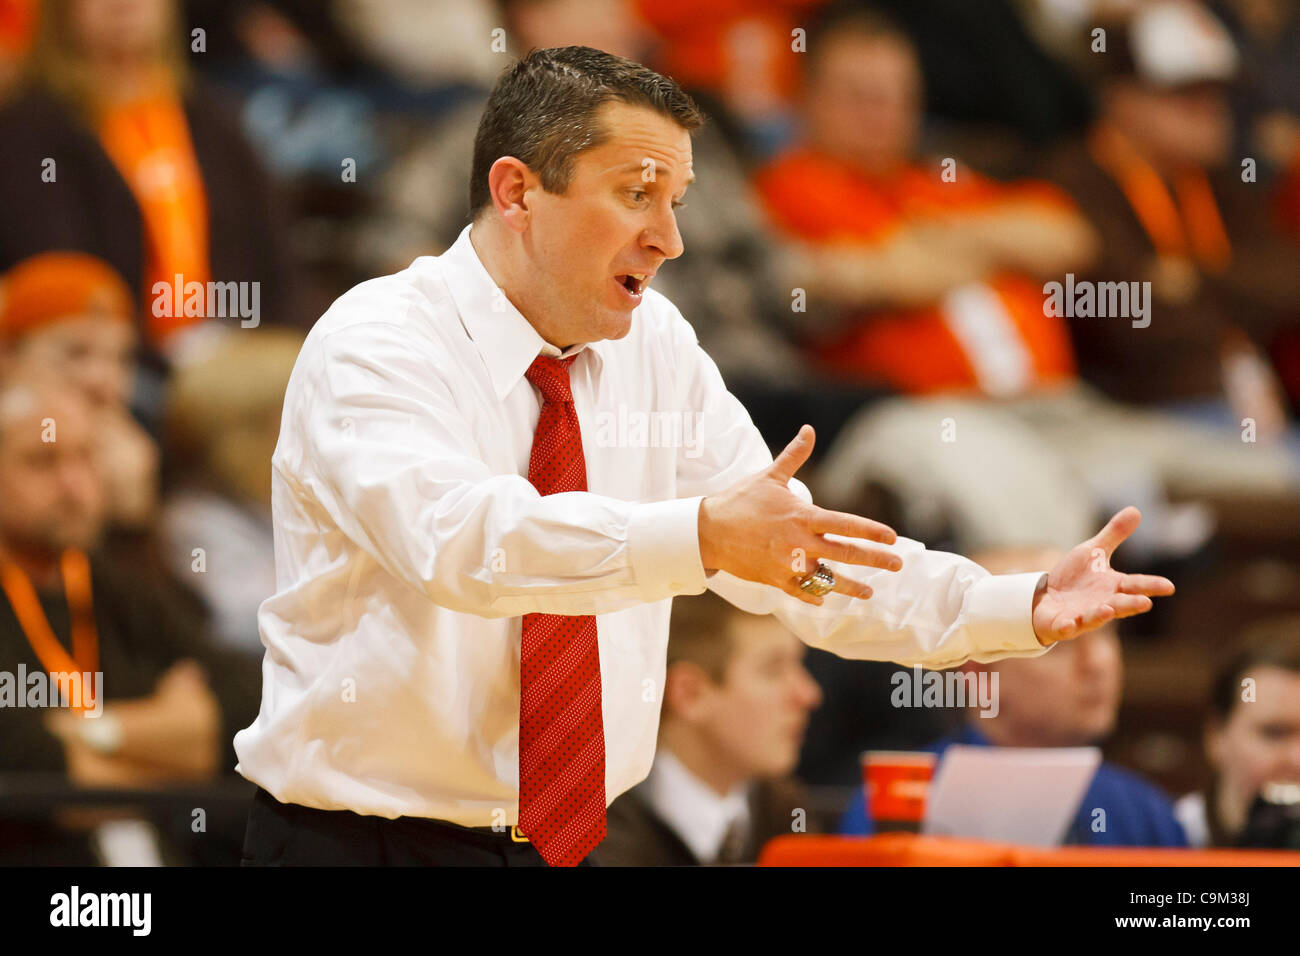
[1198,233]
[85,638]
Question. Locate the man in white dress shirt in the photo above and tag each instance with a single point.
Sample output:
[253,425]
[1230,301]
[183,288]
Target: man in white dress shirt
[422,575]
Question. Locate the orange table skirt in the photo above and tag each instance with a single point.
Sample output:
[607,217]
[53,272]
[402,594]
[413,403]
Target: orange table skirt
[907,849]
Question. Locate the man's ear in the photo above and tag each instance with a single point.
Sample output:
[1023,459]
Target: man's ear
[1212,740]
[509,182]
[685,688]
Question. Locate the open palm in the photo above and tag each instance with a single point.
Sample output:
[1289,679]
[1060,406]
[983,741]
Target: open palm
[1083,591]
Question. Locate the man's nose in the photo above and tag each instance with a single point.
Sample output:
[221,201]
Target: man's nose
[1293,757]
[663,235]
[807,690]
[76,479]
[1093,655]
[102,385]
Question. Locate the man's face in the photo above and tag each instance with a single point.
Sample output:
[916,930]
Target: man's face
[863,101]
[91,352]
[609,25]
[1189,127]
[1066,698]
[131,27]
[617,219]
[51,495]
[755,719]
[1259,743]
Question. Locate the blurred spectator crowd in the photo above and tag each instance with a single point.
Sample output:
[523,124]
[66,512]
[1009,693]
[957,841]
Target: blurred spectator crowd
[1019,262]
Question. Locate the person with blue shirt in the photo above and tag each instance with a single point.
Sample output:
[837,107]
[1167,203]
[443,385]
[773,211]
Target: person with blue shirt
[1068,698]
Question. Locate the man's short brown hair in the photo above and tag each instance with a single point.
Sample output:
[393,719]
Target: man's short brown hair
[701,633]
[846,18]
[542,111]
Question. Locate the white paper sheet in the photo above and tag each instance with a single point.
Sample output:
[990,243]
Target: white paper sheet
[1023,795]
[127,843]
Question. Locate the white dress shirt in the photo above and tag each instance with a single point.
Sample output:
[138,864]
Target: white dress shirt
[1190,810]
[696,812]
[409,541]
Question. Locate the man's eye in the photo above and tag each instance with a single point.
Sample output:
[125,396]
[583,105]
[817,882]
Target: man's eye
[678,204]
[639,194]
[1275,732]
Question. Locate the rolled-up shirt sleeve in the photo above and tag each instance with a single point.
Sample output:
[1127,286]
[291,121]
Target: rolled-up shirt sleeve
[940,610]
[385,451]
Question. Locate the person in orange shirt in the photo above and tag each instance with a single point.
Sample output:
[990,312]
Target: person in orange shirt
[743,53]
[118,67]
[17,23]
[929,278]
[926,235]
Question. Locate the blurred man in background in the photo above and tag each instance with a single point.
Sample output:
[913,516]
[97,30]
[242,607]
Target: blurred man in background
[170,705]
[71,314]
[1063,700]
[1175,208]
[735,706]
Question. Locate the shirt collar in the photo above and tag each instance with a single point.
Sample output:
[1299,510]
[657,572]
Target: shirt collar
[967,735]
[506,340]
[691,807]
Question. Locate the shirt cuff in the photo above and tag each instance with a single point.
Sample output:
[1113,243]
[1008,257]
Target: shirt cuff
[664,540]
[999,615]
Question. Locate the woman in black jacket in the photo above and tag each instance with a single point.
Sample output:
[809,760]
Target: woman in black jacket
[112,147]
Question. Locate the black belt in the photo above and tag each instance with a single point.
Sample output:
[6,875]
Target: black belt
[514,834]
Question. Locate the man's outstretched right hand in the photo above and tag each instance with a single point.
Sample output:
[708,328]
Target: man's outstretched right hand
[759,530]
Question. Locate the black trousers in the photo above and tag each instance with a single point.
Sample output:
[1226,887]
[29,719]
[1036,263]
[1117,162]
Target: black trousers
[286,834]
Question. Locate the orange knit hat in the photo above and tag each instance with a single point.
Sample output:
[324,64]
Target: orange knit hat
[59,285]
[17,25]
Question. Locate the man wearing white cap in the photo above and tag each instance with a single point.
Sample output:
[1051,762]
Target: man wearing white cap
[1174,208]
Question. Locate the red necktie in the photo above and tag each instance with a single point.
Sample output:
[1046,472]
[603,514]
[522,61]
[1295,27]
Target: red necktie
[561,733]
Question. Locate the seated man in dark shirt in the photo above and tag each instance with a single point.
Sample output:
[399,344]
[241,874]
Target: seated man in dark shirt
[158,704]
[735,705]
[1066,698]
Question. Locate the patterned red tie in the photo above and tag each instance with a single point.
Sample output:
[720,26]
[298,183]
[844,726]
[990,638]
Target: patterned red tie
[561,733]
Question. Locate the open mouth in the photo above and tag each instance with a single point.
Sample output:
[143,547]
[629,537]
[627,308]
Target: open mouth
[634,283]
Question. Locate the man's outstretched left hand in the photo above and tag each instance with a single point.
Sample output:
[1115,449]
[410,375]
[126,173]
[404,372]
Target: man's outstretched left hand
[1083,592]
